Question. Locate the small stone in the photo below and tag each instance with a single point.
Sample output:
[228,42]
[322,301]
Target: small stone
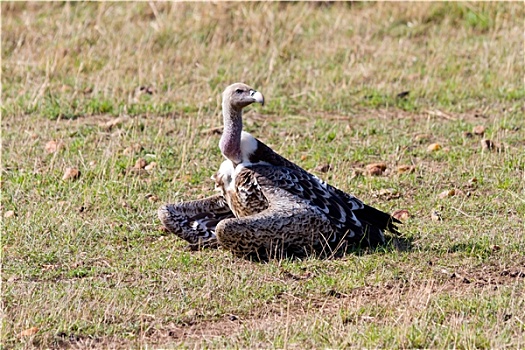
[459,192]
[71,174]
[447,193]
[375,169]
[479,130]
[151,166]
[152,198]
[387,192]
[140,163]
[53,146]
[401,169]
[401,214]
[9,213]
[433,147]
[28,332]
[375,172]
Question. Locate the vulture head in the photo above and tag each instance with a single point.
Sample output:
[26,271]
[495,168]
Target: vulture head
[239,95]
[234,99]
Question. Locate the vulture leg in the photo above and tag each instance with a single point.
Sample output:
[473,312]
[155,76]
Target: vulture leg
[288,227]
[195,221]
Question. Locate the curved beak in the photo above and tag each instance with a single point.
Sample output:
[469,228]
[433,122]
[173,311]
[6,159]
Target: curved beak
[257,96]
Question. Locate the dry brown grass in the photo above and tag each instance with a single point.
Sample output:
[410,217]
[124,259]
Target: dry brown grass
[188,52]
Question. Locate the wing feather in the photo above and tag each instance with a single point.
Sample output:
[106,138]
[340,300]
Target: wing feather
[317,189]
[309,188]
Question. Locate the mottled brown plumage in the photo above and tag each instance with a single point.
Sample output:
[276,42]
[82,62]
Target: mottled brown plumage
[269,206]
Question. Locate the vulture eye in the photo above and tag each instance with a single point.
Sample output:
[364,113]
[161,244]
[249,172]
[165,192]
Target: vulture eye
[238,91]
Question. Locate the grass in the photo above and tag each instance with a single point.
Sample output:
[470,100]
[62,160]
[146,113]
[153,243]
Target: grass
[84,263]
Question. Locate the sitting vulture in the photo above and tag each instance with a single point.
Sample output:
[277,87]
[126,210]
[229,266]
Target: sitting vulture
[268,206]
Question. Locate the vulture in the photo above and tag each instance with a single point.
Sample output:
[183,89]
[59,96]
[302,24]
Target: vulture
[266,205]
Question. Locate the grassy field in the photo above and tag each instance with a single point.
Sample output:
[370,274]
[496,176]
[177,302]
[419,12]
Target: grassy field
[99,86]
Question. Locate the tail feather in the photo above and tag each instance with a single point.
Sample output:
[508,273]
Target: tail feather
[377,218]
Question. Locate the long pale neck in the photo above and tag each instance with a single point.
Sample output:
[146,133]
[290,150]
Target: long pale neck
[230,143]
